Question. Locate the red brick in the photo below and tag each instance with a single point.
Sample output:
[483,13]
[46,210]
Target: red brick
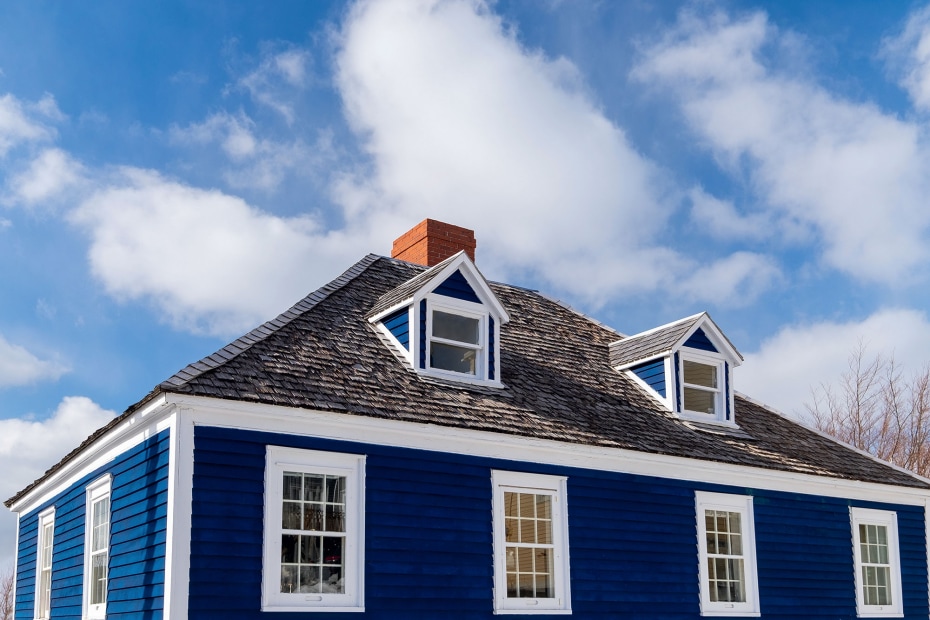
[431,242]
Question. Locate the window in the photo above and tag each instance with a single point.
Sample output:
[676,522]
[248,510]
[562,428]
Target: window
[43,598]
[530,544]
[314,528]
[702,386]
[97,548]
[727,562]
[456,342]
[878,570]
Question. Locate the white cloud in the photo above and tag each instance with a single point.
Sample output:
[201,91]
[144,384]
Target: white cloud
[17,124]
[277,77]
[51,173]
[909,55]
[255,162]
[734,281]
[720,218]
[20,367]
[801,357]
[857,175]
[29,447]
[207,260]
[466,125]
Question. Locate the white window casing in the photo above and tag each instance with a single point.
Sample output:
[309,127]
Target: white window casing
[727,555]
[44,547]
[97,547]
[314,527]
[703,386]
[530,527]
[474,351]
[878,563]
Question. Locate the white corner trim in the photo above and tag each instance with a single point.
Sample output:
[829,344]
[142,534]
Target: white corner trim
[343,427]
[180,499]
[136,428]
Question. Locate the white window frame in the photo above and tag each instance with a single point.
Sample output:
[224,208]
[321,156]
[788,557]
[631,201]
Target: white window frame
[554,486]
[888,519]
[741,504]
[720,393]
[43,598]
[468,309]
[97,491]
[279,459]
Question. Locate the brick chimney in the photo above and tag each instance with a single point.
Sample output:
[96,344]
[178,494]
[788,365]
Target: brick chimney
[430,242]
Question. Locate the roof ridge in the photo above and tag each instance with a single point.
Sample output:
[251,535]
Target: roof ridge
[266,329]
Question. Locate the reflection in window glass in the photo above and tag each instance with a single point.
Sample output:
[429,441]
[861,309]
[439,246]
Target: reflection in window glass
[455,327]
[528,545]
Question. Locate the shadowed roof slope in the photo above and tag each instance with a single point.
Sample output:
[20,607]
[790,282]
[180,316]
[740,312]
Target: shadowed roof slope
[555,366]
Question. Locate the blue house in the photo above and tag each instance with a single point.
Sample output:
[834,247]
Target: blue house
[412,441]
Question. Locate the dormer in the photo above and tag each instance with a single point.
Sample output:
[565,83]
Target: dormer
[686,365]
[446,321]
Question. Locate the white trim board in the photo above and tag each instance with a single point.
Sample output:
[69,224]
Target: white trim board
[342,427]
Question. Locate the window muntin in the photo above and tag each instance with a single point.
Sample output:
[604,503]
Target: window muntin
[701,386]
[530,544]
[312,533]
[44,546]
[456,341]
[727,565]
[878,572]
[314,529]
[97,548]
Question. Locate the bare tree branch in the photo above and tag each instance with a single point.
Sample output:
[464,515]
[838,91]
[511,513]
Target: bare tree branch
[7,593]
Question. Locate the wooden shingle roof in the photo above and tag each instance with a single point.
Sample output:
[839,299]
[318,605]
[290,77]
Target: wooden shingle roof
[556,367]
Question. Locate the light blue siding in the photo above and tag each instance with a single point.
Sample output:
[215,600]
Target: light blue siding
[139,495]
[458,287]
[633,539]
[653,374]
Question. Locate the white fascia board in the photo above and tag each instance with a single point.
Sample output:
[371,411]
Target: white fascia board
[643,360]
[475,279]
[136,428]
[406,303]
[716,336]
[359,429]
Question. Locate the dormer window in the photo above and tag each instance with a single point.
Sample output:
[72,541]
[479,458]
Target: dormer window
[445,323]
[687,366]
[455,342]
[701,386]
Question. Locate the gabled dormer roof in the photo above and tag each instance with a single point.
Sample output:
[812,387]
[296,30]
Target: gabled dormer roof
[665,339]
[448,273]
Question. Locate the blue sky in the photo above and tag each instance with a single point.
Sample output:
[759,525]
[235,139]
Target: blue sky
[172,174]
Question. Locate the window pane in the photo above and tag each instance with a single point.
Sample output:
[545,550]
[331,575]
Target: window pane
[335,489]
[310,579]
[98,579]
[455,327]
[700,374]
[544,532]
[450,357]
[700,401]
[335,518]
[292,486]
[290,516]
[313,517]
[313,488]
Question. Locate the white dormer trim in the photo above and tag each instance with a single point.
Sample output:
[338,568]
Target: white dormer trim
[488,308]
[724,360]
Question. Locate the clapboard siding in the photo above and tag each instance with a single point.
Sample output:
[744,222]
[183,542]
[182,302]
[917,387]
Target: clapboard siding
[138,499]
[653,374]
[398,323]
[428,538]
[700,341]
[457,286]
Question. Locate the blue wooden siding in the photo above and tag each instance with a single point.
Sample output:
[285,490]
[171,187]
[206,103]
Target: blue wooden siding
[699,340]
[458,287]
[423,333]
[492,362]
[633,540]
[398,323]
[653,374]
[138,505]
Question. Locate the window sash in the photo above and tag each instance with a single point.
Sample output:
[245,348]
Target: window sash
[97,547]
[44,547]
[458,357]
[530,543]
[726,547]
[878,571]
[314,540]
[700,399]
